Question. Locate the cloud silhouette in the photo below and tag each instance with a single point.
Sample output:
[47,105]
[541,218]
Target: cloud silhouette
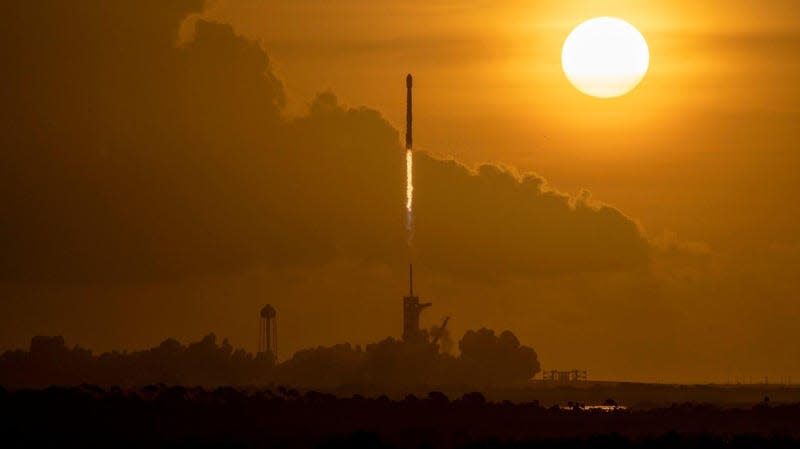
[128,156]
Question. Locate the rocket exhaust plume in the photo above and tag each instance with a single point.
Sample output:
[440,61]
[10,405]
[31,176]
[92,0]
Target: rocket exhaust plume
[409,163]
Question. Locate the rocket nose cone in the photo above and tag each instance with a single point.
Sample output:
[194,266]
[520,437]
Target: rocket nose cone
[408,80]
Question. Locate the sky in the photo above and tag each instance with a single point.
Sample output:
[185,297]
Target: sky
[491,89]
[174,167]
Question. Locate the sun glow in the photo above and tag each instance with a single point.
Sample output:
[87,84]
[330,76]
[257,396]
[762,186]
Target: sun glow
[605,57]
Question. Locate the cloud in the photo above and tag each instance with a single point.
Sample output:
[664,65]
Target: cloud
[493,220]
[128,157]
[190,167]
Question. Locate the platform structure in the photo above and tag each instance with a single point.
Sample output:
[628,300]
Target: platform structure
[564,377]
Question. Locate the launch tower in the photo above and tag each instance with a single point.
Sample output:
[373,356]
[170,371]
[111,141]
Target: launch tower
[411,311]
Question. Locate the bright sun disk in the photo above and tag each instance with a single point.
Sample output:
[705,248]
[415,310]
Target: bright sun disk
[605,57]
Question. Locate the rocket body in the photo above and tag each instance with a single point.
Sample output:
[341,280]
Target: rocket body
[409,164]
[409,140]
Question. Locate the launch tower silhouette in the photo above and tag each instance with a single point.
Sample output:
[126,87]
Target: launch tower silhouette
[411,311]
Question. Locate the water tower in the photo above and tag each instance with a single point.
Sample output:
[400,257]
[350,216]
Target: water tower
[268,331]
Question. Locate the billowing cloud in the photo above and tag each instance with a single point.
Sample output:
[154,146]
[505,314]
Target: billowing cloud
[127,156]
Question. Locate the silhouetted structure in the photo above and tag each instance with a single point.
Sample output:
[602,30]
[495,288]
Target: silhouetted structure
[440,331]
[411,311]
[268,331]
[565,377]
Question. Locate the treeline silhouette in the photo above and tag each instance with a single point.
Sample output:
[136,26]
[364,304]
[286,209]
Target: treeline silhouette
[485,360]
[160,416]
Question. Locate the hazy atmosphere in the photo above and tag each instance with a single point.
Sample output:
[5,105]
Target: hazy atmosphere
[171,167]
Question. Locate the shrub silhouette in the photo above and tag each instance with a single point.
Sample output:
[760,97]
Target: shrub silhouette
[486,361]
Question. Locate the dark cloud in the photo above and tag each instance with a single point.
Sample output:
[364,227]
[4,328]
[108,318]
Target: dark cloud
[491,220]
[127,156]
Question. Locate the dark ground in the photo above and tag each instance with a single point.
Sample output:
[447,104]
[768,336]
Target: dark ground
[631,395]
[160,416]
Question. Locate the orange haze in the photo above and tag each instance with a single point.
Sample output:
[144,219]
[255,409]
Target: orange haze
[170,167]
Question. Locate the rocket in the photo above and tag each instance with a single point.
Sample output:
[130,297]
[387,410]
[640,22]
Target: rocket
[409,80]
[409,163]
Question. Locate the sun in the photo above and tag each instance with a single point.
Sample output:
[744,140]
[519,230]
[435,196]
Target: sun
[605,57]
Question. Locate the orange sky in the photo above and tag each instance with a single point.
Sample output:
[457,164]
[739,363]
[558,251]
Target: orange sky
[702,155]
[719,94]
[705,148]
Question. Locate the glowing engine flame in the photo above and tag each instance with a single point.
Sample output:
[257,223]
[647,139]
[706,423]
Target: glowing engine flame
[409,189]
